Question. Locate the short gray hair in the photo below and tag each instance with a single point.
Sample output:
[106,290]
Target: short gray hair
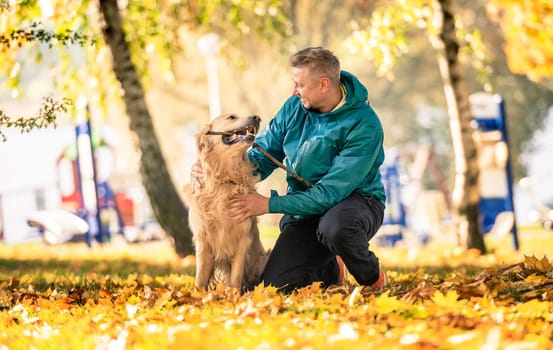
[319,60]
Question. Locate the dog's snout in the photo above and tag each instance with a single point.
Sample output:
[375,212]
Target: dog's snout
[255,117]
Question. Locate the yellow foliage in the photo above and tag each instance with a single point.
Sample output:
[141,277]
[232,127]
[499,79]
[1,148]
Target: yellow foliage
[528,28]
[449,300]
[542,265]
[496,307]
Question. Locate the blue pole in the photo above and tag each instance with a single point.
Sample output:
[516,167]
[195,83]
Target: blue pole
[509,204]
[88,182]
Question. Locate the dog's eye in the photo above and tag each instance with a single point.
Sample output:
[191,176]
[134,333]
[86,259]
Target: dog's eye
[231,117]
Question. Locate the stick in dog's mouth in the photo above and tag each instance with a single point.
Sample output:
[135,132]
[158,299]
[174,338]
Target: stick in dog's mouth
[245,134]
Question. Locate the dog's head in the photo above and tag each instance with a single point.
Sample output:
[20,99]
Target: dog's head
[228,131]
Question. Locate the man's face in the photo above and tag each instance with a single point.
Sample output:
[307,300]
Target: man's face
[307,87]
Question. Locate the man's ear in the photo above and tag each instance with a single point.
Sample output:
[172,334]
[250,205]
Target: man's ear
[325,84]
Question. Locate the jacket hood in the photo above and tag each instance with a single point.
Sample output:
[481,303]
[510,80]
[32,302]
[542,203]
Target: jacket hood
[356,92]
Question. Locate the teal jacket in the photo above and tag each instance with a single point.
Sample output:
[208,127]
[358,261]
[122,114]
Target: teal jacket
[339,152]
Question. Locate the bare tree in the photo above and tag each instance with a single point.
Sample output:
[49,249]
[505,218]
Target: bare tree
[465,196]
[168,208]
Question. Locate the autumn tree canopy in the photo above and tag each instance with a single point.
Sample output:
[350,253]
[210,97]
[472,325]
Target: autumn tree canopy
[528,28]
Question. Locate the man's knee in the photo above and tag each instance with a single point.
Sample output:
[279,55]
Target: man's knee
[330,232]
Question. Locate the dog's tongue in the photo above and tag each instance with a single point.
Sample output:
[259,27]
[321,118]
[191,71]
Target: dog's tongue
[233,137]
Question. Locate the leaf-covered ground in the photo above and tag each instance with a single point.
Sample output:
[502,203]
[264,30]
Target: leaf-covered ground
[142,297]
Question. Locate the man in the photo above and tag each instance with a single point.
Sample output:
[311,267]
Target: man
[328,134]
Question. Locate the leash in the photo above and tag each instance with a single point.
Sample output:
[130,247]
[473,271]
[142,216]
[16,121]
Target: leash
[282,166]
[270,157]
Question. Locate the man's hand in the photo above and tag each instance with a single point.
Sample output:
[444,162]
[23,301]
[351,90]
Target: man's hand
[247,205]
[197,177]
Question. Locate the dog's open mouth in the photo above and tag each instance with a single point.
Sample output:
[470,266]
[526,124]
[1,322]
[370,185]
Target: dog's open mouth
[245,134]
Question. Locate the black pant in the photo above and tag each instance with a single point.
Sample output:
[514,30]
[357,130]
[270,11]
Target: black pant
[306,249]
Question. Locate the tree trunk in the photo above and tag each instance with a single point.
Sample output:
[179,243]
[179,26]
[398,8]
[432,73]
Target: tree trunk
[466,194]
[167,206]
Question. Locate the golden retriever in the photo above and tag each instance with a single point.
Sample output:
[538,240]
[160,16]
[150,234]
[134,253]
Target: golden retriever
[227,252]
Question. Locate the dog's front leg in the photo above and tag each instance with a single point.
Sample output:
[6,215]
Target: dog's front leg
[239,262]
[204,266]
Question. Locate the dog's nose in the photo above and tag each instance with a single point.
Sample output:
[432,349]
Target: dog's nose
[255,117]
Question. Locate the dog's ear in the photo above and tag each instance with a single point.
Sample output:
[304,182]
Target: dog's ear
[202,139]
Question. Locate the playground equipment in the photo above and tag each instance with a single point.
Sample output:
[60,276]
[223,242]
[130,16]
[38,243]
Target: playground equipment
[91,211]
[394,214]
[57,225]
[496,190]
[85,194]
[413,213]
[496,208]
